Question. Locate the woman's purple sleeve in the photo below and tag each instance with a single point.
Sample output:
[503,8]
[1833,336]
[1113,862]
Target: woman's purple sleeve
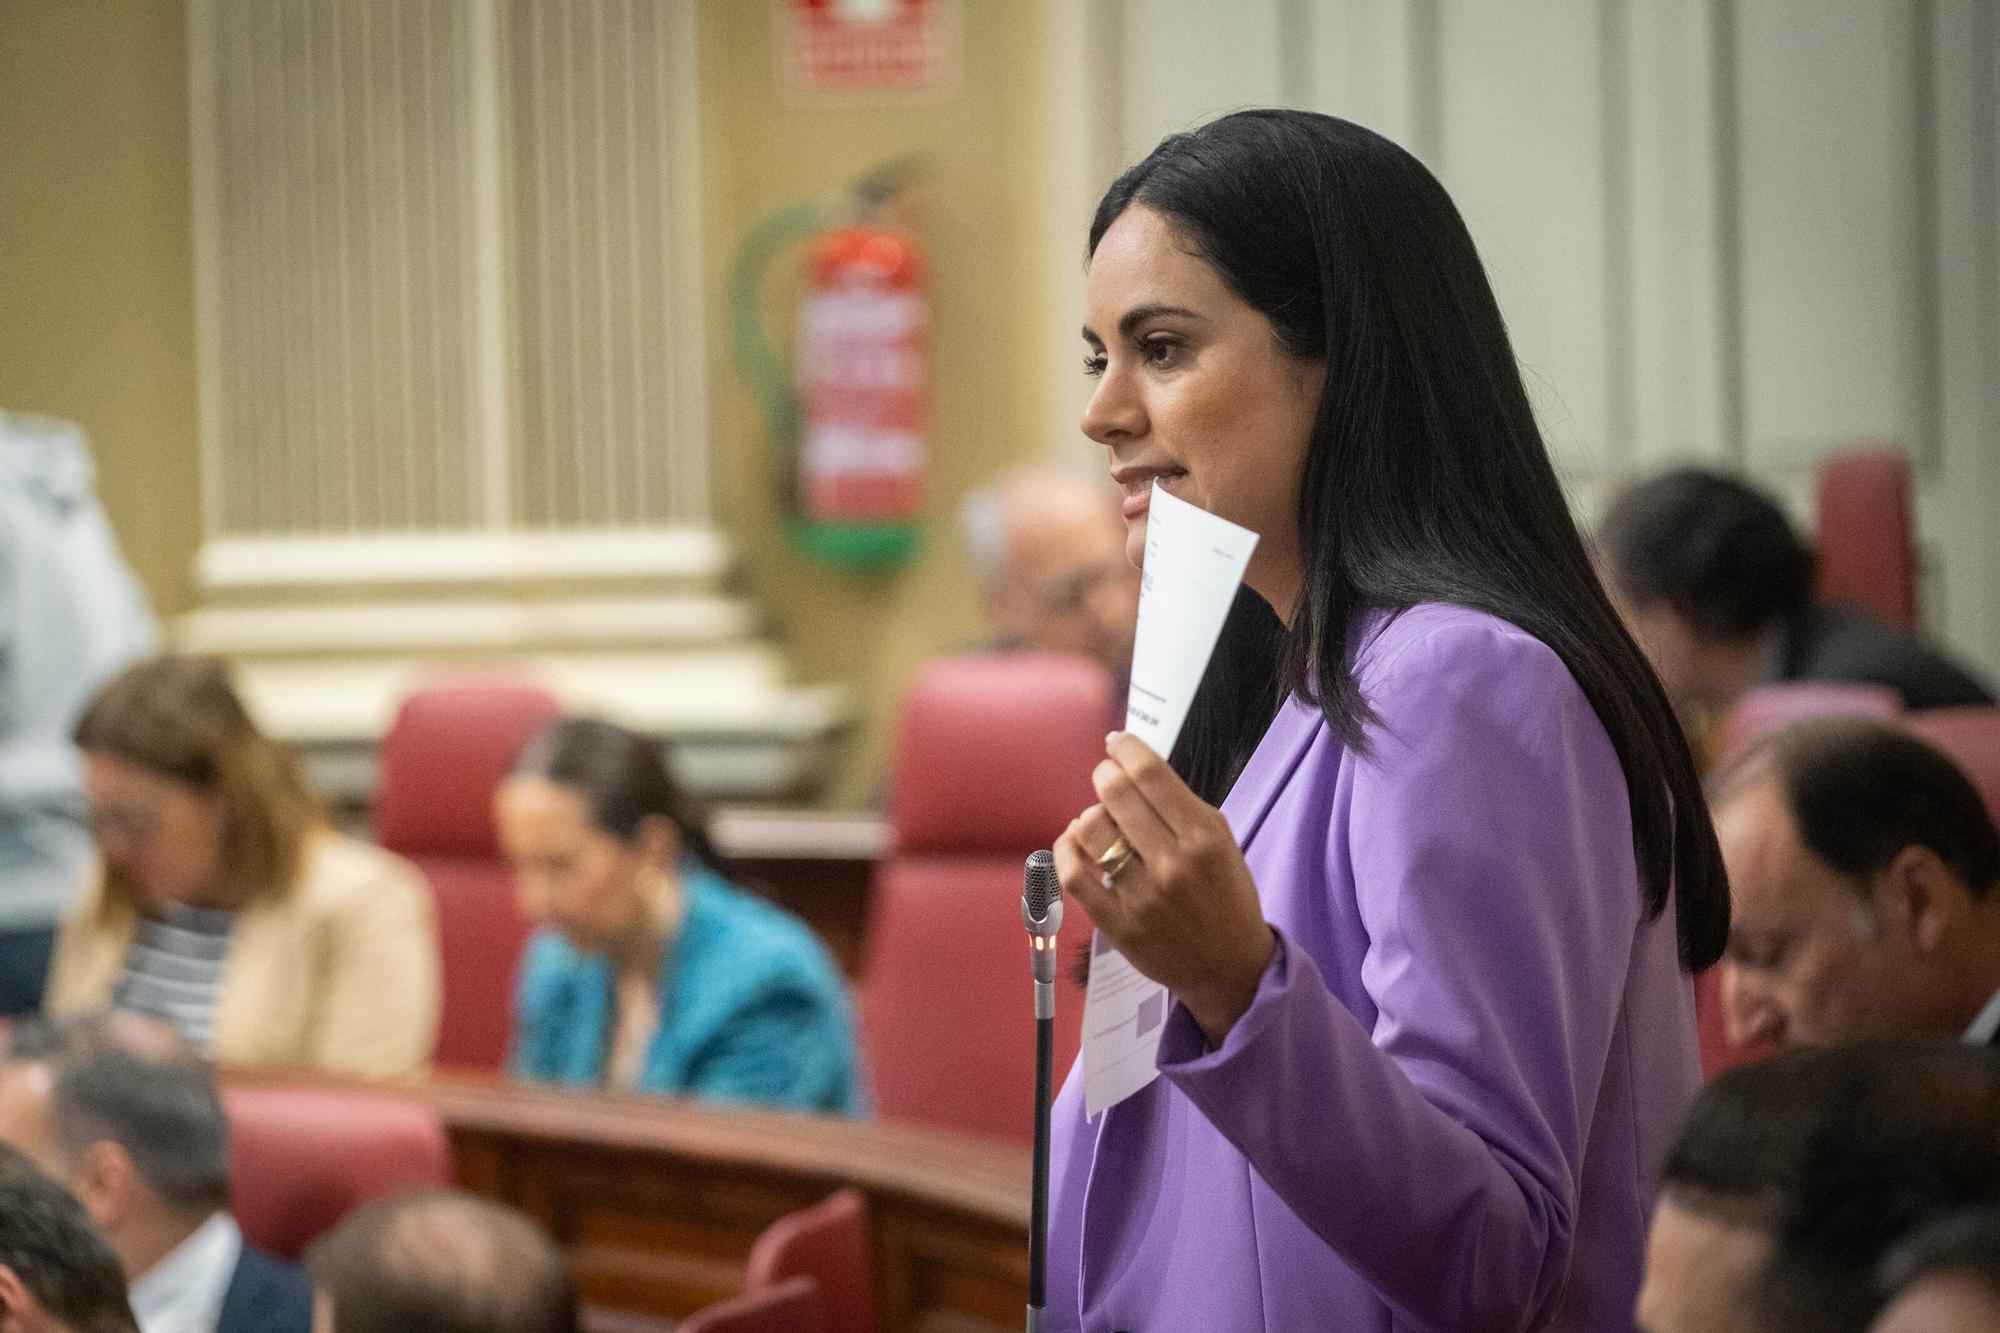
[1436,1144]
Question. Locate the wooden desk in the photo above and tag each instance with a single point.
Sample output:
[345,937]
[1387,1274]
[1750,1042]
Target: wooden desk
[657,1201]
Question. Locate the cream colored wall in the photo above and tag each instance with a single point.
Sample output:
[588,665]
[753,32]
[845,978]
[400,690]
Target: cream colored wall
[96,282]
[96,264]
[1749,233]
[981,223]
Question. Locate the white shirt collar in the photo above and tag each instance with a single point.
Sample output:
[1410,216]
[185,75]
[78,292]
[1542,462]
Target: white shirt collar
[183,1293]
[1984,1027]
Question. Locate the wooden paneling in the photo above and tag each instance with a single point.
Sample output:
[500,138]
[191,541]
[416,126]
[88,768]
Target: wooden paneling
[657,1201]
[815,864]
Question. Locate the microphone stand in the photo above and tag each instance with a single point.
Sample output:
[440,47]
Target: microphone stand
[1041,910]
[1038,1213]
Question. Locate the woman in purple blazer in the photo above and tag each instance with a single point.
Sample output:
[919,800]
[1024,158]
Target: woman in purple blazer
[1432,1020]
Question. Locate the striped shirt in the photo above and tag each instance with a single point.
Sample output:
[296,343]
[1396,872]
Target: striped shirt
[174,969]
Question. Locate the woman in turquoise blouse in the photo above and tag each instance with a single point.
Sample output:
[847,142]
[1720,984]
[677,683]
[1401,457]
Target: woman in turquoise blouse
[650,971]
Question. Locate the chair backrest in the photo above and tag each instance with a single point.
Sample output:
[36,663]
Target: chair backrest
[993,760]
[301,1157]
[828,1243]
[481,936]
[1866,547]
[1718,1053]
[792,1306]
[1771,708]
[448,750]
[993,752]
[1971,738]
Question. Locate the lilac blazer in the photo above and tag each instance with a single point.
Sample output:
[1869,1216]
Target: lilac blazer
[1446,1104]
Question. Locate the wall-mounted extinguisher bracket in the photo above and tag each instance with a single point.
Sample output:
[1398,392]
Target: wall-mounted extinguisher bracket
[848,422]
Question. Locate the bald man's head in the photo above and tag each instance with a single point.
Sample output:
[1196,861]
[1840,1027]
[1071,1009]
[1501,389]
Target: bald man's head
[444,1261]
[1864,881]
[1049,548]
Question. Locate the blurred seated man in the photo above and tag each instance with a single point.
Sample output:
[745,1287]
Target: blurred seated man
[1946,1278]
[117,1108]
[56,1273]
[1790,1179]
[1718,590]
[1862,872]
[441,1261]
[1049,549]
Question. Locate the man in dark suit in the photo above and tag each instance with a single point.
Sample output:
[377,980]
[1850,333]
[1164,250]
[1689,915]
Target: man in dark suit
[264,1293]
[1864,876]
[136,1129]
[1718,590]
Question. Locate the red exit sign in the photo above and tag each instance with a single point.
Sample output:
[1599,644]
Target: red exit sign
[868,46]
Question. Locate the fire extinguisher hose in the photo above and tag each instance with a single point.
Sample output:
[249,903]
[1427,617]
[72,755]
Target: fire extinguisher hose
[766,372]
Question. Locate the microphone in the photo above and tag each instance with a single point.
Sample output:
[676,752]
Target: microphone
[1042,913]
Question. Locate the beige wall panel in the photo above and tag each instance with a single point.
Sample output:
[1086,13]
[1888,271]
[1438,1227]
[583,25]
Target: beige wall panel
[1193,60]
[96,264]
[1679,248]
[1835,227]
[982,217]
[1959,521]
[1523,152]
[1371,62]
[1738,230]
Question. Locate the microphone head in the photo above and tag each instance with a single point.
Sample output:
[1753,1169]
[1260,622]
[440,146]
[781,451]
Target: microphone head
[1043,889]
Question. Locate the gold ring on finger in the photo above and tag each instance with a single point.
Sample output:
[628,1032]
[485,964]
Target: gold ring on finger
[1115,858]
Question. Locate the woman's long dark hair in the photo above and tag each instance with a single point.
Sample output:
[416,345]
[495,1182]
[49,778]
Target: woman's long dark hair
[623,778]
[1426,479]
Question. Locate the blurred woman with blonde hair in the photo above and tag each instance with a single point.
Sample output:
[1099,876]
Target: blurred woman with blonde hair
[224,902]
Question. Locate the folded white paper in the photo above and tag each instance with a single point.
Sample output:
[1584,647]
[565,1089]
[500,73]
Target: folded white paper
[1194,564]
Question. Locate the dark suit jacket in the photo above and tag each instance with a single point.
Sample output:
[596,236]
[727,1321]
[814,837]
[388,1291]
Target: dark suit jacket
[266,1295]
[1836,643]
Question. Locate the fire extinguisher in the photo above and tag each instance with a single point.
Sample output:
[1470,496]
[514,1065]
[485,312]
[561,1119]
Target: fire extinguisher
[848,421]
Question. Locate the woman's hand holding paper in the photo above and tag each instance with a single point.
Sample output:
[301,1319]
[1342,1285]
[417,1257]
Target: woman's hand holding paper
[1184,911]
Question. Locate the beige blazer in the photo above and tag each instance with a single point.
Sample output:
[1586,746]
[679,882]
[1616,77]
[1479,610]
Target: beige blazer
[340,974]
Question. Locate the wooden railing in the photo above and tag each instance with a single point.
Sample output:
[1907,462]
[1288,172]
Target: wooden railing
[816,864]
[657,1201]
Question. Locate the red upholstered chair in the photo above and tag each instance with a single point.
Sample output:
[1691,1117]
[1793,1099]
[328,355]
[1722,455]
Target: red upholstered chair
[828,1243]
[993,759]
[792,1306]
[1971,737]
[1770,708]
[301,1157]
[1718,1053]
[1867,545]
[448,749]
